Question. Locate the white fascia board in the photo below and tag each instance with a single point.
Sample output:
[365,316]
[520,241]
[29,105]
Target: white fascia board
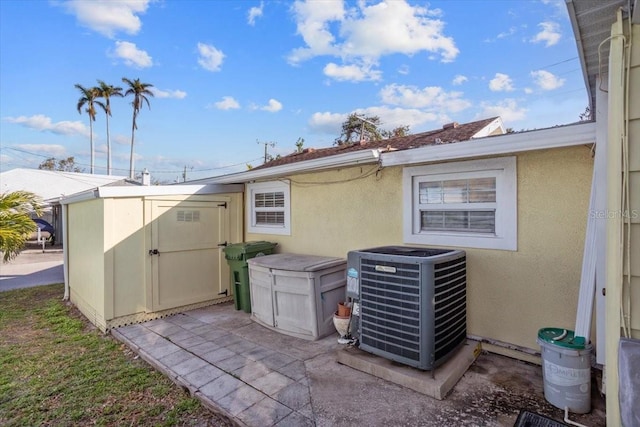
[150,191]
[564,136]
[329,162]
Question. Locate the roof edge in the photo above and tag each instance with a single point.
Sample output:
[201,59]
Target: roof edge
[155,190]
[323,163]
[556,137]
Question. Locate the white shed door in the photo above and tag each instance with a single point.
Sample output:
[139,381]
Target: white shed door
[185,253]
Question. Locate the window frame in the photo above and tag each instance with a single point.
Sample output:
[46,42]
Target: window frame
[268,187]
[506,217]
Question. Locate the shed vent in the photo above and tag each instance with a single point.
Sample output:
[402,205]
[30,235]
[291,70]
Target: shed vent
[188,216]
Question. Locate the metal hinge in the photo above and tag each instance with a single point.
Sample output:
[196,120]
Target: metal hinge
[223,244]
[223,205]
[225,292]
[154,252]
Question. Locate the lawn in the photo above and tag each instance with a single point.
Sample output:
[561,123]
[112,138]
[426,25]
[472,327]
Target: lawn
[57,369]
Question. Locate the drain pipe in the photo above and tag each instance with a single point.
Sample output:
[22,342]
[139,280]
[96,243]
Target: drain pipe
[568,421]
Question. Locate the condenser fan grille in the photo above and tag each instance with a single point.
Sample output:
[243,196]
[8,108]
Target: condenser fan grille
[390,320]
[450,291]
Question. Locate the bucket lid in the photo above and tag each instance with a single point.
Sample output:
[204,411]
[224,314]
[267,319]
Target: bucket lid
[561,337]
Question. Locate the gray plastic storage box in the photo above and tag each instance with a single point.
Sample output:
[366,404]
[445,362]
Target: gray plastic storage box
[297,294]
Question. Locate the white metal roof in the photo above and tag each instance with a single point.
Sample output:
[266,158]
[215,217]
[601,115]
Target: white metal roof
[51,185]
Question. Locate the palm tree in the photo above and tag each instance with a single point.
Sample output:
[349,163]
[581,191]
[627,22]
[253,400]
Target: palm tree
[88,97]
[107,91]
[15,221]
[140,92]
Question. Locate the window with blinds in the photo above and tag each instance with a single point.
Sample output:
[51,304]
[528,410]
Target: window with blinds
[269,207]
[466,204]
[458,205]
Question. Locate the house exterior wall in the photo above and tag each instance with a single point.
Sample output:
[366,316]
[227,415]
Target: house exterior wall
[511,294]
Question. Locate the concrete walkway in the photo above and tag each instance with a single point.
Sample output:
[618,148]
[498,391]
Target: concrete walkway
[258,377]
[32,267]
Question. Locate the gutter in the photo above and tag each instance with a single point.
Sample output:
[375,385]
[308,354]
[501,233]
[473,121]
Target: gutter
[571,9]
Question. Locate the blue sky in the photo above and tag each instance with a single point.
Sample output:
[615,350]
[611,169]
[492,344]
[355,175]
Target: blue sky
[229,76]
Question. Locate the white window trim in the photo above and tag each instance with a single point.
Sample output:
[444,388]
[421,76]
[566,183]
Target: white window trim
[506,235]
[265,187]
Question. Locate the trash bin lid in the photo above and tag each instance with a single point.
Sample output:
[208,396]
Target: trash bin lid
[237,250]
[561,337]
[297,262]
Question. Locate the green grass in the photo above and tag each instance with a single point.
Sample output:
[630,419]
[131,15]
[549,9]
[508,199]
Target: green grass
[57,369]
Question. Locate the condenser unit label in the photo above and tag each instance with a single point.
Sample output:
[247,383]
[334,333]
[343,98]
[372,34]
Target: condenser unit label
[385,269]
[352,281]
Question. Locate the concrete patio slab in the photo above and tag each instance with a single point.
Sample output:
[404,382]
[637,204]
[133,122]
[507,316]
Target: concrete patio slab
[258,377]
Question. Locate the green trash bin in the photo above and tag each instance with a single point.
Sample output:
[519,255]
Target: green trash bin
[237,255]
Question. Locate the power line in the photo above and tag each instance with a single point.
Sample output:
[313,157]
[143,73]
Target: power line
[126,170]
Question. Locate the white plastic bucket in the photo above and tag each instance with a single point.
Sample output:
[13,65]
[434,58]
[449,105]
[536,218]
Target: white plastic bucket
[567,376]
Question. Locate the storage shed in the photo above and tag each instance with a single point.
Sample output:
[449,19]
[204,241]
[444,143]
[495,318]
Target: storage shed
[139,253]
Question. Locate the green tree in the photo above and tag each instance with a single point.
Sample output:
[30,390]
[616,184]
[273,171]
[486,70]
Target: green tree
[300,145]
[359,128]
[65,165]
[396,133]
[367,128]
[88,98]
[107,91]
[15,221]
[140,92]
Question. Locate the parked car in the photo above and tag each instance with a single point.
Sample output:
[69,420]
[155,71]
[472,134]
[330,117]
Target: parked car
[46,231]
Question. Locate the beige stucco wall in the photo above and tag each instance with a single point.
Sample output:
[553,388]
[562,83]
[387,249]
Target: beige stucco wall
[511,294]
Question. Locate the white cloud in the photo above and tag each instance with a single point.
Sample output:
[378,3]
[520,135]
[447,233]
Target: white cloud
[177,94]
[255,12]
[431,97]
[546,80]
[53,150]
[403,69]
[365,33]
[508,109]
[330,123]
[132,56]
[44,124]
[528,90]
[507,33]
[327,122]
[459,79]
[227,103]
[501,83]
[272,106]
[312,19]
[550,33]
[108,17]
[210,58]
[352,72]
[391,27]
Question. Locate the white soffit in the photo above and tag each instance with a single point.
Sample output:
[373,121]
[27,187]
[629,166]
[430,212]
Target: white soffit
[564,136]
